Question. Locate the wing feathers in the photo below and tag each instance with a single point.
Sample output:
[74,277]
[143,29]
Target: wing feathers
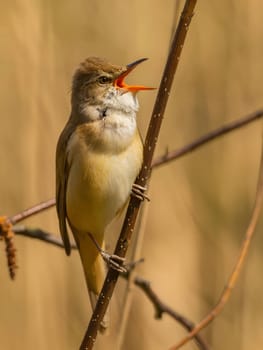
[62,170]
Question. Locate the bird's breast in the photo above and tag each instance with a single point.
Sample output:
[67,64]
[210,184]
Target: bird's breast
[99,182]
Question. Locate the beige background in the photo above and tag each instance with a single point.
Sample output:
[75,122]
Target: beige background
[200,205]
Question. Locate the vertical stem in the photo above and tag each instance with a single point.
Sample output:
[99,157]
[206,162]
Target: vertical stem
[150,143]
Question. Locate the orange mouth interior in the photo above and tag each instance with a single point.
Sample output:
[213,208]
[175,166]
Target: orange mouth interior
[119,82]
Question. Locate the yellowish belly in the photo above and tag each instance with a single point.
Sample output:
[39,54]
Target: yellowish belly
[99,186]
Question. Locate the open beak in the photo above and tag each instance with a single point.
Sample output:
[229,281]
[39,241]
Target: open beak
[119,82]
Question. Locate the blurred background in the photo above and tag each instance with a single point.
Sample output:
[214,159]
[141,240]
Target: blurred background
[200,205]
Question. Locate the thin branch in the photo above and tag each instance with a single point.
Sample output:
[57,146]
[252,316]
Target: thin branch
[161,308]
[40,235]
[150,143]
[139,282]
[143,284]
[14,219]
[158,161]
[238,266]
[210,136]
[134,256]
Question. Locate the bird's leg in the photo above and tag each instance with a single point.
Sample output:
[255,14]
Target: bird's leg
[113,261]
[138,192]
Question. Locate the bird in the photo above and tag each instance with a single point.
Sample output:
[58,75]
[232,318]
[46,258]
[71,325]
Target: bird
[98,157]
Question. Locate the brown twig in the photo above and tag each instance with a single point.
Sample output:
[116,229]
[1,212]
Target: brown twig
[237,268]
[135,255]
[7,232]
[150,143]
[158,161]
[210,136]
[161,308]
[42,235]
[14,219]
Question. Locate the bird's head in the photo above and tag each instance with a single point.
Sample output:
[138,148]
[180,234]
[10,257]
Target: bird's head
[96,81]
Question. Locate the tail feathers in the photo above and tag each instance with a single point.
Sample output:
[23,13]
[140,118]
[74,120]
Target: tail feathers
[94,269]
[104,325]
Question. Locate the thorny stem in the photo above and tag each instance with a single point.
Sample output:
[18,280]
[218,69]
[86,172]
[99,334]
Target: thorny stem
[150,143]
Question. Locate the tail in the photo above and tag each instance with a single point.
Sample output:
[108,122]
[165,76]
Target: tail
[94,269]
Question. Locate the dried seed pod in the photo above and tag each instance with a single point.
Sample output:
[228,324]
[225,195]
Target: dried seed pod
[7,234]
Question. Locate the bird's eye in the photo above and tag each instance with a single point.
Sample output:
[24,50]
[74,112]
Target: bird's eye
[104,80]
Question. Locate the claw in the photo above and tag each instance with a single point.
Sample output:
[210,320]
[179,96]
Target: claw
[138,192]
[114,261]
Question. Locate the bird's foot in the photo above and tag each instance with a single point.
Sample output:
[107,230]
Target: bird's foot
[139,192]
[113,261]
